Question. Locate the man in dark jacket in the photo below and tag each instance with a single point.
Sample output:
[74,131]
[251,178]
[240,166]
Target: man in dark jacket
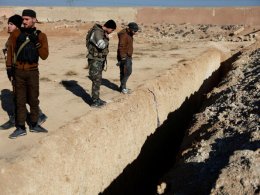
[124,54]
[97,42]
[25,46]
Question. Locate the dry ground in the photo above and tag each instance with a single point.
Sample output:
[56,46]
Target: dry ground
[64,85]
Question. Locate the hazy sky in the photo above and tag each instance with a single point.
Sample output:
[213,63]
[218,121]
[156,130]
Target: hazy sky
[181,3]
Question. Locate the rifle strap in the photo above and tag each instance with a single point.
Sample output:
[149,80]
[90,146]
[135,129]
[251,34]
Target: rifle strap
[20,49]
[105,65]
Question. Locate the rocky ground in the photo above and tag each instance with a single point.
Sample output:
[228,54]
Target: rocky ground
[202,32]
[221,150]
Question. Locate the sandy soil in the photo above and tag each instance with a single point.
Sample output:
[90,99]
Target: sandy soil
[64,85]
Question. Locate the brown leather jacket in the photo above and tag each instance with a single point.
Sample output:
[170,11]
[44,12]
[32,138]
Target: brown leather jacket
[125,44]
[43,51]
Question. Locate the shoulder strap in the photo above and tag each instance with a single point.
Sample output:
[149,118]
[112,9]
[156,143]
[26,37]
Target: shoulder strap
[27,40]
[90,32]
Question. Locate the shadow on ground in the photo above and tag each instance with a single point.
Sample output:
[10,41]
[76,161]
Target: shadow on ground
[77,90]
[109,84]
[7,101]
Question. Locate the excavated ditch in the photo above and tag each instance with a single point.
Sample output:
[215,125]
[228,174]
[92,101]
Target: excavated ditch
[123,148]
[159,152]
[221,147]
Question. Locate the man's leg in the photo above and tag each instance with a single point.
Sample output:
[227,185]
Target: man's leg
[125,72]
[33,101]
[95,73]
[20,102]
[33,95]
[122,75]
[20,96]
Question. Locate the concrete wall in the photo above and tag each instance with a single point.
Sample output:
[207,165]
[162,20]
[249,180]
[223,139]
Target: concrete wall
[85,156]
[229,15]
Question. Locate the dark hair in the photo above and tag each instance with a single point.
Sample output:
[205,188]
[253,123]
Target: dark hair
[110,24]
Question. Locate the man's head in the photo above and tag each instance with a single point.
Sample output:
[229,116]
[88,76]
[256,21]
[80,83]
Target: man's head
[14,22]
[109,26]
[133,27]
[29,18]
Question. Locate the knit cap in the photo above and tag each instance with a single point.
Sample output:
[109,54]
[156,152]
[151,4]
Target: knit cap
[16,20]
[29,12]
[133,26]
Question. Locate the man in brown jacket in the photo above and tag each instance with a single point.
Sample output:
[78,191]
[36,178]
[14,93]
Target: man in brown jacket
[15,22]
[124,54]
[25,46]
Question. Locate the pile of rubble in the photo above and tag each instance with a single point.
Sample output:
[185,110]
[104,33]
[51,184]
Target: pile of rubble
[220,154]
[189,32]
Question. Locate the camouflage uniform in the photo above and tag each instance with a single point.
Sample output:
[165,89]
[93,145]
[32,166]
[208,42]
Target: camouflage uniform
[95,73]
[97,44]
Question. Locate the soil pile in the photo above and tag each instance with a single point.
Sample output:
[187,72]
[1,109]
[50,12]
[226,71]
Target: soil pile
[220,153]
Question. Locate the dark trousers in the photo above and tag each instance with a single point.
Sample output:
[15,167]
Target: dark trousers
[95,74]
[26,91]
[125,72]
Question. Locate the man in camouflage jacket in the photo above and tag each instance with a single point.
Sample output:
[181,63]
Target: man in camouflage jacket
[97,42]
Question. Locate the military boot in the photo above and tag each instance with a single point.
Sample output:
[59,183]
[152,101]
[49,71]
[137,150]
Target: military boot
[126,91]
[98,103]
[20,131]
[38,129]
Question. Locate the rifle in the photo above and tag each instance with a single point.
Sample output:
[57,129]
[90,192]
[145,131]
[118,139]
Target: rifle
[105,64]
[4,52]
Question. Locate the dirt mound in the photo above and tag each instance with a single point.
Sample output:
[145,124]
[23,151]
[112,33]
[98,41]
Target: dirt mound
[220,153]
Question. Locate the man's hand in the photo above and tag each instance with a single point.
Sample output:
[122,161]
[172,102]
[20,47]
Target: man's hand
[107,35]
[126,59]
[34,39]
[4,51]
[10,73]
[123,60]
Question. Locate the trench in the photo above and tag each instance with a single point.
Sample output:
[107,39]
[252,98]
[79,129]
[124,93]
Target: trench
[160,150]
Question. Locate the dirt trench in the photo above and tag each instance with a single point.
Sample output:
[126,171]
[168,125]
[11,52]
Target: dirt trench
[135,139]
[220,148]
[160,150]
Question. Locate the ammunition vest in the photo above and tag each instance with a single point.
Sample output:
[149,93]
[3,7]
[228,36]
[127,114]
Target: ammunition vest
[29,53]
[93,51]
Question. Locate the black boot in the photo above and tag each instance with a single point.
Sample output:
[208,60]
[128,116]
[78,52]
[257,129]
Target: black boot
[98,103]
[19,131]
[35,127]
